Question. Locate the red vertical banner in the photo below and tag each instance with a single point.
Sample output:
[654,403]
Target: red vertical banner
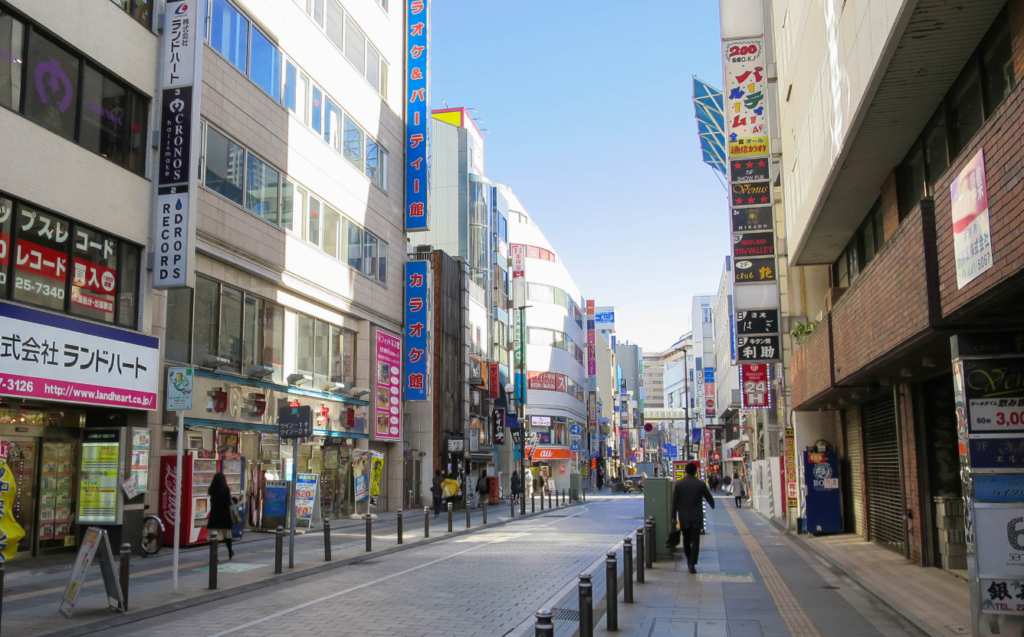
[493,380]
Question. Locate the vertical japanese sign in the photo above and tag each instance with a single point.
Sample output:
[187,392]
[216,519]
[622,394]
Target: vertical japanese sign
[755,382]
[178,161]
[388,385]
[493,381]
[417,330]
[518,275]
[417,119]
[745,100]
[972,240]
[591,348]
[791,486]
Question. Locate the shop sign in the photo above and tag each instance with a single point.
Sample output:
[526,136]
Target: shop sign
[179,388]
[709,407]
[540,421]
[518,276]
[388,403]
[592,409]
[305,495]
[418,324]
[753,244]
[604,318]
[59,358]
[972,239]
[498,437]
[757,322]
[755,381]
[551,454]
[752,169]
[998,487]
[755,193]
[995,394]
[417,120]
[275,503]
[757,348]
[456,445]
[751,219]
[746,97]
[999,540]
[991,452]
[791,484]
[493,380]
[1003,596]
[754,270]
[295,422]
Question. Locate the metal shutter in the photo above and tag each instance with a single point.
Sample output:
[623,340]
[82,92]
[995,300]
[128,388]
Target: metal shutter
[855,456]
[886,523]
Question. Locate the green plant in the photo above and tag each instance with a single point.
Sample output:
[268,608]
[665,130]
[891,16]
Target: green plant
[802,331]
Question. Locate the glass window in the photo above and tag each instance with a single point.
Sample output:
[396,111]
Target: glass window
[853,264]
[337,356]
[42,258]
[382,263]
[302,99]
[290,79]
[318,11]
[129,285]
[879,225]
[370,256]
[382,170]
[318,107]
[842,271]
[261,189]
[313,221]
[322,355]
[304,349]
[272,324]
[229,337]
[353,143]
[12,50]
[348,357]
[867,240]
[94,275]
[332,231]
[206,316]
[229,33]
[138,133]
[224,165]
[52,103]
[179,325]
[997,66]
[911,180]
[372,161]
[6,217]
[355,46]
[105,104]
[354,245]
[289,203]
[250,332]
[336,24]
[372,66]
[965,107]
[332,124]
[265,65]
[384,79]
[936,151]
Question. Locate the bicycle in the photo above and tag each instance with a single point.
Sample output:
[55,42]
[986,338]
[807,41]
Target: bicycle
[152,533]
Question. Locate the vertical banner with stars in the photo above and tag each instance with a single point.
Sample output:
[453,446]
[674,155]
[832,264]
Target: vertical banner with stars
[417,120]
[417,330]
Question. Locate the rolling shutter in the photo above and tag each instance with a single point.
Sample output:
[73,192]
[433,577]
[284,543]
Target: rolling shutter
[886,522]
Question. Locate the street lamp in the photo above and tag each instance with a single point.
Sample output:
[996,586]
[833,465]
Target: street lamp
[510,390]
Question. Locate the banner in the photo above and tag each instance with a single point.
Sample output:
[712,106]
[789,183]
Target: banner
[10,531]
[972,240]
[305,495]
[418,314]
[361,475]
[417,120]
[376,473]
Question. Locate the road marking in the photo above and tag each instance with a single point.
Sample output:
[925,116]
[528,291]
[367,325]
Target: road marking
[288,611]
[796,620]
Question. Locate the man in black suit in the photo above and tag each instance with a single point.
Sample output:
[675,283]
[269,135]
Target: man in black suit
[687,509]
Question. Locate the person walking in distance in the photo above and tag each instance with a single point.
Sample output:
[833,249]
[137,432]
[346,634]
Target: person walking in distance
[739,490]
[220,510]
[450,490]
[483,488]
[516,486]
[435,491]
[687,510]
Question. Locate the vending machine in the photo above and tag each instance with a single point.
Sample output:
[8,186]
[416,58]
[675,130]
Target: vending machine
[197,468]
[232,465]
[823,499]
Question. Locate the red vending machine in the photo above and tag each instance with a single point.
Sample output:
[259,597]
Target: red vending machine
[198,467]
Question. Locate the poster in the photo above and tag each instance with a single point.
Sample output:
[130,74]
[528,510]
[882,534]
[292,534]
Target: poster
[972,239]
[388,402]
[10,531]
[376,474]
[275,502]
[360,475]
[140,458]
[999,540]
[305,495]
[98,487]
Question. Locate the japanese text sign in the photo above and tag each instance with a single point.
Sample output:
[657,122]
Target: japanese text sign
[388,385]
[417,120]
[746,97]
[417,330]
[757,348]
[757,322]
[972,240]
[499,427]
[755,381]
[994,394]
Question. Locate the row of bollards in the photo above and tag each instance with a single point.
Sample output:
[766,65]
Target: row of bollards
[645,550]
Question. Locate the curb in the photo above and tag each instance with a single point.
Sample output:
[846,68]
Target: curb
[877,594]
[199,600]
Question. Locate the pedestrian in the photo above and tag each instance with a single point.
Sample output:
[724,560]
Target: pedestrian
[739,490]
[600,477]
[450,489]
[483,488]
[538,483]
[728,484]
[687,510]
[220,519]
[435,491]
[516,486]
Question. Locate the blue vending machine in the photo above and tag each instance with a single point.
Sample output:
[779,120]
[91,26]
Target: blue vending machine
[824,512]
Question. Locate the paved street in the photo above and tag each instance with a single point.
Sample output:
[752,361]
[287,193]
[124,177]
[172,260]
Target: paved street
[754,580]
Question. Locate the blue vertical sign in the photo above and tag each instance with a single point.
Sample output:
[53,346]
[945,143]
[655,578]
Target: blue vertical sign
[417,330]
[417,120]
[709,375]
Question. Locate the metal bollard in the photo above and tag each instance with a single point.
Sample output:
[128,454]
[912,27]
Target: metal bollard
[611,594]
[327,539]
[369,533]
[648,542]
[640,555]
[586,589]
[512,506]
[278,549]
[563,498]
[545,626]
[653,543]
[542,501]
[449,517]
[125,564]
[627,570]
[213,560]
[426,522]
[550,506]
[399,526]
[1,593]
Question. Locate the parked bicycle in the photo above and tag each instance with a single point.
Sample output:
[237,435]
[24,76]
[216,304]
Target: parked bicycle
[152,533]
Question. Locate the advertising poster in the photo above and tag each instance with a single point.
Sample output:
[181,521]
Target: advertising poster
[10,531]
[98,482]
[994,394]
[972,239]
[376,473]
[746,98]
[361,476]
[305,495]
[275,502]
[388,402]
[417,330]
[999,541]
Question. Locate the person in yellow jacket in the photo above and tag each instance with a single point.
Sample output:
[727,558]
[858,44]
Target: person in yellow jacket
[449,489]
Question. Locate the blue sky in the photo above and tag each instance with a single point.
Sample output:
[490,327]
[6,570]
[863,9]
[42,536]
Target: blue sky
[591,123]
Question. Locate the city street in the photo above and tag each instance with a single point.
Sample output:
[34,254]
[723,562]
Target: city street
[753,581]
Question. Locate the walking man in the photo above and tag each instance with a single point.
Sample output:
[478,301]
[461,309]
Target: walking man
[687,509]
[435,490]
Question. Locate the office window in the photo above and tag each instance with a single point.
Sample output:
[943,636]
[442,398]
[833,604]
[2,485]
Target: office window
[997,65]
[965,107]
[229,336]
[354,245]
[94,271]
[336,24]
[12,40]
[229,33]
[129,285]
[911,180]
[332,231]
[250,332]
[318,102]
[304,344]
[265,65]
[321,354]
[337,347]
[332,124]
[313,222]
[290,202]
[139,10]
[41,270]
[302,98]
[382,170]
[290,80]
[224,163]
[355,46]
[879,225]
[372,160]
[383,79]
[353,150]
[177,341]
[106,115]
[52,105]
[383,4]
[373,67]
[382,263]
[936,151]
[261,189]
[370,256]
[318,12]
[272,324]
[206,318]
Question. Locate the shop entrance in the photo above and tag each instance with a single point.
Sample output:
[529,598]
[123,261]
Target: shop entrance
[947,530]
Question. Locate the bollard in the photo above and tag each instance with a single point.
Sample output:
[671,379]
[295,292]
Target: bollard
[426,522]
[449,517]
[640,555]
[213,560]
[627,570]
[611,593]
[126,557]
[648,542]
[369,533]
[542,501]
[550,506]
[533,503]
[485,507]
[512,506]
[469,512]
[399,526]
[327,539]
[652,544]
[278,549]
[545,626]
[563,498]
[584,495]
[586,589]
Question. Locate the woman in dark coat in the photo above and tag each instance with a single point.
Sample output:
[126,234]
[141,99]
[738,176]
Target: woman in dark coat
[220,510]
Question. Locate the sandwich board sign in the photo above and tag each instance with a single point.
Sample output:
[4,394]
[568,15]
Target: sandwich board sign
[95,542]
